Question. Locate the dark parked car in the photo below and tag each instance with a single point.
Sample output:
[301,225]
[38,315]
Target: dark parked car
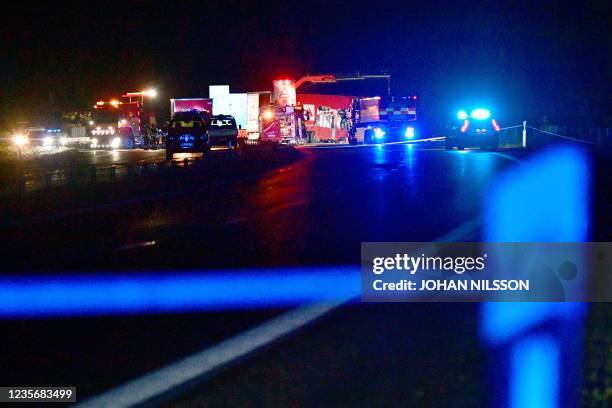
[223,131]
[188,132]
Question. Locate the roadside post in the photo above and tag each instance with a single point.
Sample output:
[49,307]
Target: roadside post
[524,134]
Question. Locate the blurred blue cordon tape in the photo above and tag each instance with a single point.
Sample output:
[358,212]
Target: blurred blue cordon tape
[98,294]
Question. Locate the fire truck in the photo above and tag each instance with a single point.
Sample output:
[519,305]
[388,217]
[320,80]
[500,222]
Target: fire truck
[382,119]
[115,125]
[293,117]
[283,124]
[283,120]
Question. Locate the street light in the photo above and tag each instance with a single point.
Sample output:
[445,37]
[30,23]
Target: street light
[151,93]
[20,140]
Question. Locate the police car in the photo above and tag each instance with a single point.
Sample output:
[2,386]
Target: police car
[476,129]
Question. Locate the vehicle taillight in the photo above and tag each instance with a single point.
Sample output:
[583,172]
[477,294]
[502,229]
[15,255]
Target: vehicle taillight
[495,125]
[466,125]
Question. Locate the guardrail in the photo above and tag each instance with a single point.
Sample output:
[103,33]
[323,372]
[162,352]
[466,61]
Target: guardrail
[37,179]
[24,180]
[527,136]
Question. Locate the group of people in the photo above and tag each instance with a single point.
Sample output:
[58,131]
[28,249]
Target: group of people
[152,137]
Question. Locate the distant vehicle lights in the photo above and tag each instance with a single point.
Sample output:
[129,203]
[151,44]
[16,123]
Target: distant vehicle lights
[409,132]
[115,143]
[480,114]
[48,141]
[462,115]
[495,125]
[20,140]
[99,131]
[267,115]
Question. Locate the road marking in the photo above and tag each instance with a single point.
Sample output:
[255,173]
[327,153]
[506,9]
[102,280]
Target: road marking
[182,374]
[157,386]
[142,244]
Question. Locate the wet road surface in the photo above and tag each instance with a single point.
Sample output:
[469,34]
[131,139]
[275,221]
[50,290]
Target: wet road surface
[311,213]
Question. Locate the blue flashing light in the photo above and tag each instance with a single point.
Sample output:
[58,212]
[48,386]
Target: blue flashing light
[379,133]
[550,195]
[480,114]
[82,295]
[409,132]
[462,115]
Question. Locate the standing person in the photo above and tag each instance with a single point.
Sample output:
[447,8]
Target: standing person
[147,137]
[154,136]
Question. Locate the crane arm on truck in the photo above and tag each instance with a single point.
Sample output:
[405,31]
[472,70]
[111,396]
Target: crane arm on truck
[331,79]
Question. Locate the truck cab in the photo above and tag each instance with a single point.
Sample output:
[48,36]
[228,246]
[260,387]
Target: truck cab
[383,120]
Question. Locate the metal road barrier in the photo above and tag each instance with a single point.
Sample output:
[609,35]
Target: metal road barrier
[527,136]
[38,177]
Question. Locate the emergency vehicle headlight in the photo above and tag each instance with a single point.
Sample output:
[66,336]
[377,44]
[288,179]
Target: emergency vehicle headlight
[94,142]
[47,141]
[379,133]
[409,132]
[115,143]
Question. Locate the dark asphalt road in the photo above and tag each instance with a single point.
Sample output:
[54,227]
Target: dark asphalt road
[314,212]
[107,157]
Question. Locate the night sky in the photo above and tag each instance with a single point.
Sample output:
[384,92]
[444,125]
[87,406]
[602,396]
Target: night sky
[524,60]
